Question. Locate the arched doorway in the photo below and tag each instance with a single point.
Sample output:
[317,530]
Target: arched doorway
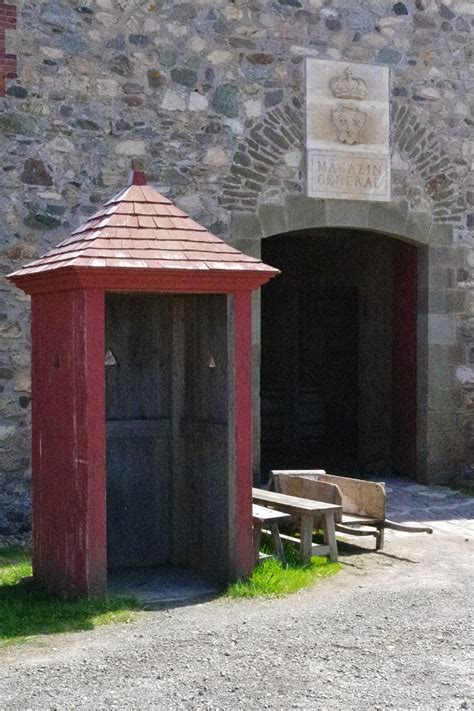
[338,360]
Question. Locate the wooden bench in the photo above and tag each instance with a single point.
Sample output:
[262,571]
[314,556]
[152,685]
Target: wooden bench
[306,510]
[271,518]
[363,502]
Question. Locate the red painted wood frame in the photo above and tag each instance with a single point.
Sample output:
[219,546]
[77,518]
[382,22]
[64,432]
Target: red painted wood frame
[68,442]
[68,424]
[241,563]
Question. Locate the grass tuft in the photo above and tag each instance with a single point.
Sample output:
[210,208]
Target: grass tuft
[271,579]
[26,611]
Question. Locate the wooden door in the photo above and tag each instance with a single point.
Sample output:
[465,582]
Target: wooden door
[309,375]
[138,421]
[327,388]
[404,369]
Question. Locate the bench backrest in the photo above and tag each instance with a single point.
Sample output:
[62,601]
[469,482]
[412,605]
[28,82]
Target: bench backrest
[297,484]
[358,497]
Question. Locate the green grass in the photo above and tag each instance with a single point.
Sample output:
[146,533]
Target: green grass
[271,579]
[25,611]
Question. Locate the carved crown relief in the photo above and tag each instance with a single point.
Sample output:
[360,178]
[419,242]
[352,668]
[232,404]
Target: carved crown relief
[347,86]
[348,120]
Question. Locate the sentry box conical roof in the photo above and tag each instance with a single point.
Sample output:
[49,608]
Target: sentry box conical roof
[140,240]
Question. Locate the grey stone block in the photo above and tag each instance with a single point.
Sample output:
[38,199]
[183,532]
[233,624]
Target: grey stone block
[273,219]
[245,227]
[418,226]
[305,213]
[455,355]
[388,218]
[446,257]
[440,278]
[441,234]
[437,302]
[447,301]
[348,213]
[441,329]
[440,376]
[456,301]
[251,247]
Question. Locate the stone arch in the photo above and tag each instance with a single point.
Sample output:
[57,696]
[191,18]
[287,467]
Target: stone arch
[301,213]
[282,129]
[379,303]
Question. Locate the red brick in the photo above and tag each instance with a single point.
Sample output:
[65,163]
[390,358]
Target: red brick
[7,61]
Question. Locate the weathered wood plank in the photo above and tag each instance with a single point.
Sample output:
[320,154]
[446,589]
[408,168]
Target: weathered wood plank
[359,497]
[306,546]
[340,528]
[330,536]
[277,543]
[307,510]
[257,531]
[317,548]
[264,514]
[293,504]
[407,527]
[139,428]
[298,484]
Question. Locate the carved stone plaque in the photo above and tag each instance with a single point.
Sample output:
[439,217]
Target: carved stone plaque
[347,130]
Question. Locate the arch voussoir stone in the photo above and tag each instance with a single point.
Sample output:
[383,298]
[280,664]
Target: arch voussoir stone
[420,147]
[256,157]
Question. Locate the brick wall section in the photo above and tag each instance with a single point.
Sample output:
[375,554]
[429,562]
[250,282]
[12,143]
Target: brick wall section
[7,61]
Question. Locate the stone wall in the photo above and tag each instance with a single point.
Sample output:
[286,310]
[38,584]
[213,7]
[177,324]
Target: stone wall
[211,95]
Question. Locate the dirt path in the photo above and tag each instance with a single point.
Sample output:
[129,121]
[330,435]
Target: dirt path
[391,631]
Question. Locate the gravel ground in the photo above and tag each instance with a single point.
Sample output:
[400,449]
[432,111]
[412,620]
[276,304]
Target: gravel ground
[391,631]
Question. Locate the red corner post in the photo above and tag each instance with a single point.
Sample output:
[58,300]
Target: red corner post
[241,559]
[68,430]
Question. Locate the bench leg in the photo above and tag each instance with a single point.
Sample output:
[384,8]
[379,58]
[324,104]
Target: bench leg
[278,545]
[257,531]
[380,539]
[330,536]
[306,544]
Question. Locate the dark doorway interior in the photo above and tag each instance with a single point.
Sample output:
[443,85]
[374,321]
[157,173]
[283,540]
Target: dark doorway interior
[338,368]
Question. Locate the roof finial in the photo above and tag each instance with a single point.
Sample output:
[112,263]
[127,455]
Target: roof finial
[138,174]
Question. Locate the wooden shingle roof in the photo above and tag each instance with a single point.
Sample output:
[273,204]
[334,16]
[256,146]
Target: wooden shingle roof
[141,229]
